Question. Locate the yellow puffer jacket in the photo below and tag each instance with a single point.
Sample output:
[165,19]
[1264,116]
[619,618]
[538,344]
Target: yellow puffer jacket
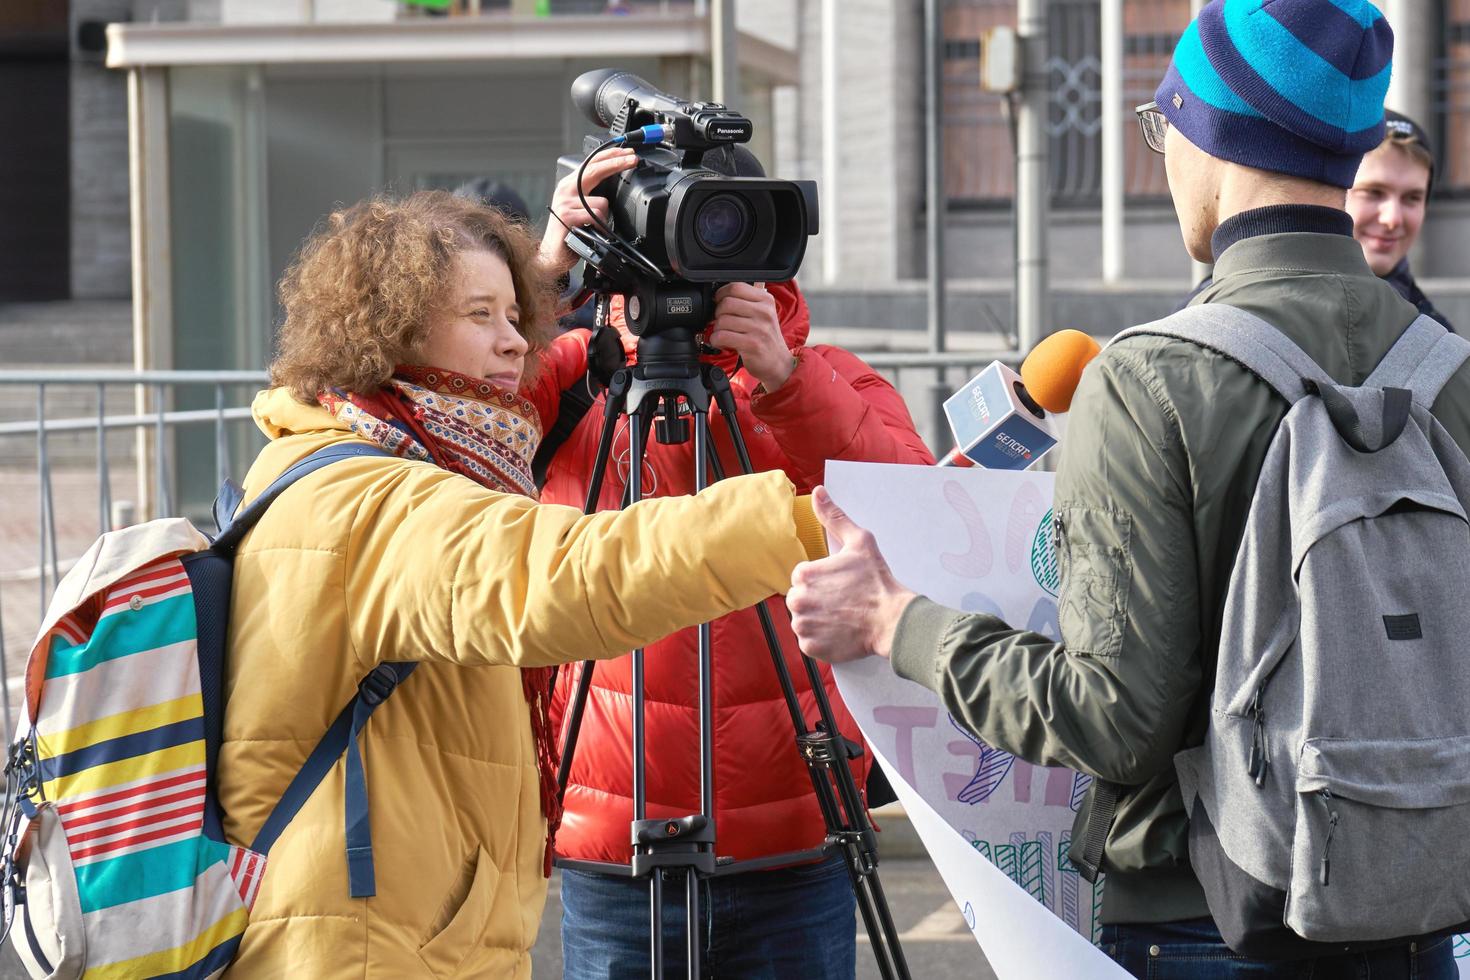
[384,559]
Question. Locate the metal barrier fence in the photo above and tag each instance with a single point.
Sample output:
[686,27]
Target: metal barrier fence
[68,517]
[63,528]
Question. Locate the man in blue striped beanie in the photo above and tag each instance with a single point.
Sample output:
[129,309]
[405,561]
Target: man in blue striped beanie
[1266,111]
[1263,117]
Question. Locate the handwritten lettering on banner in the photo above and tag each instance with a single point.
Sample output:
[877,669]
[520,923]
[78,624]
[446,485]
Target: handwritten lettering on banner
[997,827]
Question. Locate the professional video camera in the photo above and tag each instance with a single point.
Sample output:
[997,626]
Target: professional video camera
[679,230]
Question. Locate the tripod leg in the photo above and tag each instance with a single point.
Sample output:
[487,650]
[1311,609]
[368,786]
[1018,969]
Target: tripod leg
[656,923]
[706,697]
[573,727]
[702,449]
[894,964]
[691,914]
[837,796]
[640,395]
[637,435]
[613,407]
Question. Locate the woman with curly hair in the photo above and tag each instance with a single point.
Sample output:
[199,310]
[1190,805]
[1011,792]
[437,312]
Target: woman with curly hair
[411,324]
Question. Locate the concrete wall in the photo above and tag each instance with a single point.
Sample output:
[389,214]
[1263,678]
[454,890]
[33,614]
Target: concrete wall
[101,249]
[100,246]
[979,244]
[878,199]
[880,162]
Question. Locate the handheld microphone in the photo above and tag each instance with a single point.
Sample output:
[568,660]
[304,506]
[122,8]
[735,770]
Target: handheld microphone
[1001,420]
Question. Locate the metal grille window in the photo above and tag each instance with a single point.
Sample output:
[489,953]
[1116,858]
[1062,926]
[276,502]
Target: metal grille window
[978,164]
[1074,76]
[977,140]
[1452,102]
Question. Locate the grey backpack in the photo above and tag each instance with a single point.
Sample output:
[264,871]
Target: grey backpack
[1330,801]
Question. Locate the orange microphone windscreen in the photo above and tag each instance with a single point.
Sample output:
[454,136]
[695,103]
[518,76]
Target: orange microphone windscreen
[1053,368]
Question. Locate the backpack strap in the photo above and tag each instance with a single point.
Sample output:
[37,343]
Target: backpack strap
[1244,338]
[573,406]
[1423,359]
[341,737]
[1265,352]
[1101,808]
[236,528]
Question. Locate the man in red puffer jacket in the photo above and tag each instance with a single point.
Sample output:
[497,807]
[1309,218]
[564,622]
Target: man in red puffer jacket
[797,407]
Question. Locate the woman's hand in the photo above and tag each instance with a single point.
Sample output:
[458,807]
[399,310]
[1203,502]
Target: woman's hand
[565,204]
[746,322]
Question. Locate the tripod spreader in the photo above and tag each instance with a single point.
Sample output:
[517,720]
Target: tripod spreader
[674,842]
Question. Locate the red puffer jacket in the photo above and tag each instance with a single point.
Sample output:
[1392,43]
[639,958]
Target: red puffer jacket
[832,407]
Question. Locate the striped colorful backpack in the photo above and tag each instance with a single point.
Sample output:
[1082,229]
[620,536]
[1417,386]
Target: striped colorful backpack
[114,861]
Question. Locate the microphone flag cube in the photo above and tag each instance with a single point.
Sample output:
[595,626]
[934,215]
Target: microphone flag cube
[993,424]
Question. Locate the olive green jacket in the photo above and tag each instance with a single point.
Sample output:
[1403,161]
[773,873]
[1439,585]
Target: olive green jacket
[1163,448]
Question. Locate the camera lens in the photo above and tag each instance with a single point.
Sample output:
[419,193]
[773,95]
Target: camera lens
[723,224]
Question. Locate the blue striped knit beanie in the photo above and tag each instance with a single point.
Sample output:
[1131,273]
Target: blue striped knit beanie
[1291,86]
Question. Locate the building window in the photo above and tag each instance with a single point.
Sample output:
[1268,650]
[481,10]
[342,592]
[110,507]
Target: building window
[1452,103]
[978,164]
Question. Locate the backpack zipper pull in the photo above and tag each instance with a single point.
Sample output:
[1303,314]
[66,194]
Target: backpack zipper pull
[1326,795]
[1257,764]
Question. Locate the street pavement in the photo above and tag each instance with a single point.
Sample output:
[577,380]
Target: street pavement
[935,940]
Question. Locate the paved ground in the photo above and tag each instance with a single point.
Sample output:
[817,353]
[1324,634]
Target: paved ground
[935,940]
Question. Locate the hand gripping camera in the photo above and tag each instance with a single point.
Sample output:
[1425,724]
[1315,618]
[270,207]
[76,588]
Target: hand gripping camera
[678,230]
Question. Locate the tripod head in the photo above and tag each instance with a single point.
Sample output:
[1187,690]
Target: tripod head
[651,305]
[670,374]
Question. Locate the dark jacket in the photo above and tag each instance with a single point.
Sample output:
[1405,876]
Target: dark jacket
[1164,446]
[1402,280]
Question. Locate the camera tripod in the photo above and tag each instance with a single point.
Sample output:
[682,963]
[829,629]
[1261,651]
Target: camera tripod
[669,370]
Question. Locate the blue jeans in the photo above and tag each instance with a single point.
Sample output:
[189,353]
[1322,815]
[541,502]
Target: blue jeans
[792,922]
[1193,949]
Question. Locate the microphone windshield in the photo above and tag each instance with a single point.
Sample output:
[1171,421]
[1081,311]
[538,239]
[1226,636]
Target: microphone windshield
[1053,368]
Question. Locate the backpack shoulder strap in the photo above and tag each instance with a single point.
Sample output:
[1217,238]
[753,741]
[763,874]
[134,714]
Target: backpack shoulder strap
[1265,352]
[1244,338]
[341,737]
[237,526]
[574,404]
[1423,359]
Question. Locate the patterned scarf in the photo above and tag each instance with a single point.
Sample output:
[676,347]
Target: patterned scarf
[480,430]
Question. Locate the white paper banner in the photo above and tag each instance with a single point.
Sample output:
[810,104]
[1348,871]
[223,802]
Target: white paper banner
[997,828]
[980,541]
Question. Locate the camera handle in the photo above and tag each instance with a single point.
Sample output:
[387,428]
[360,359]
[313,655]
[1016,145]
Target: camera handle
[668,369]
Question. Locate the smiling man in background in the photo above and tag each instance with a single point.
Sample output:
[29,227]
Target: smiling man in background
[1388,202]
